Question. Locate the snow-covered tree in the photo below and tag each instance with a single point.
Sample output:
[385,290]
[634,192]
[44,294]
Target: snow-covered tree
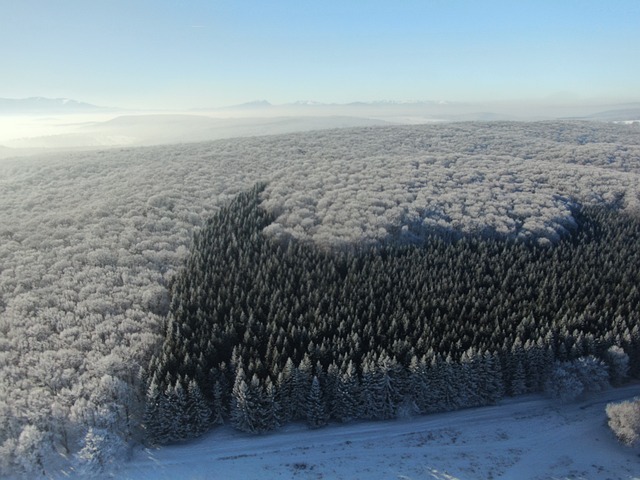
[618,362]
[31,450]
[346,405]
[624,420]
[316,409]
[101,451]
[564,384]
[592,372]
[156,420]
[571,379]
[302,378]
[198,410]
[243,406]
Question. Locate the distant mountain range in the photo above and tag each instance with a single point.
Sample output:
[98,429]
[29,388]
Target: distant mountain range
[620,115]
[42,105]
[389,110]
[38,123]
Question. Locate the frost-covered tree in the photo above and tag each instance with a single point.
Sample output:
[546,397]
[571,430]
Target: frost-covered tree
[618,362]
[156,420]
[570,379]
[302,378]
[31,450]
[564,384]
[346,404]
[243,405]
[85,279]
[272,405]
[316,408]
[177,406]
[101,451]
[285,384]
[592,372]
[624,420]
[198,410]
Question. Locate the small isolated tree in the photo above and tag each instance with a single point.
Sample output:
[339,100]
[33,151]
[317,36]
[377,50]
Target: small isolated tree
[624,420]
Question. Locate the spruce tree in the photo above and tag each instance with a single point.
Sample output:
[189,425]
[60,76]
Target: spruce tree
[316,409]
[347,396]
[198,411]
[243,405]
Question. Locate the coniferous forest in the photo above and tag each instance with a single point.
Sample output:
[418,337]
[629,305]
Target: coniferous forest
[264,331]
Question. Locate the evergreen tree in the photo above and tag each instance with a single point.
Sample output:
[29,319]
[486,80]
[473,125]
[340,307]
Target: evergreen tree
[243,405]
[273,406]
[155,419]
[198,411]
[177,405]
[409,323]
[302,379]
[219,407]
[347,396]
[316,408]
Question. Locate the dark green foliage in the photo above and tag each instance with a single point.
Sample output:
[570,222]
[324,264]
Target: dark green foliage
[346,400]
[316,409]
[443,325]
[198,411]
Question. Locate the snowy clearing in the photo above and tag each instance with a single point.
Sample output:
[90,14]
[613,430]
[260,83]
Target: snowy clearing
[528,437]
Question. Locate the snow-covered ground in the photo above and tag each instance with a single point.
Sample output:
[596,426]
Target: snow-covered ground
[528,437]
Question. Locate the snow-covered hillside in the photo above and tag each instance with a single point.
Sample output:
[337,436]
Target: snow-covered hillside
[89,241]
[524,438]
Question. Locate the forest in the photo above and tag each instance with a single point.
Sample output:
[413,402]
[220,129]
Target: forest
[96,246]
[262,332]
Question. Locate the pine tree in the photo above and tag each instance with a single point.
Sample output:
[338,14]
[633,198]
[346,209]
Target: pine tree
[491,388]
[198,411]
[219,407]
[347,396]
[417,384]
[242,404]
[388,389]
[155,419]
[177,407]
[316,409]
[285,398]
[302,379]
[368,391]
[262,411]
[274,407]
[471,377]
[450,382]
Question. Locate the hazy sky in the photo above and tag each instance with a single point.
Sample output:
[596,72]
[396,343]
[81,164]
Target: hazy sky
[202,53]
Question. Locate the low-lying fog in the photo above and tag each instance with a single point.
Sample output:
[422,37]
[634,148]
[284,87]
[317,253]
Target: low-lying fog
[32,132]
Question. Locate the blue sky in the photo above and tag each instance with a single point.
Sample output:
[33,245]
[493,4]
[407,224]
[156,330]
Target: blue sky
[202,53]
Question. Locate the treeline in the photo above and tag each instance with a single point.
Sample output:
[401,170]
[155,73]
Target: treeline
[263,332]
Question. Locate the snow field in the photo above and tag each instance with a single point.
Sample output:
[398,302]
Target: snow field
[522,438]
